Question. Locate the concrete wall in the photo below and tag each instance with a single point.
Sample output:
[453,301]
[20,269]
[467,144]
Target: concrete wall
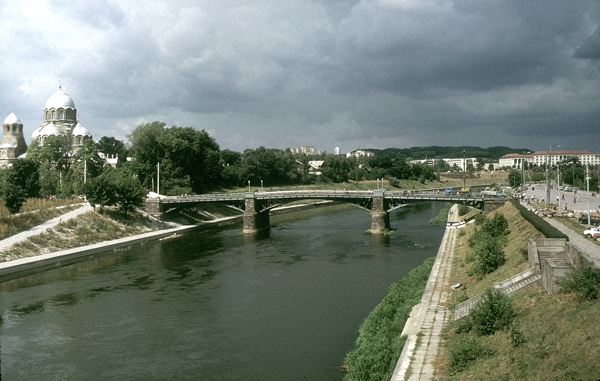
[551,274]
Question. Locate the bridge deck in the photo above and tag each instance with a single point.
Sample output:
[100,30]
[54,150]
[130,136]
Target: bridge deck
[318,194]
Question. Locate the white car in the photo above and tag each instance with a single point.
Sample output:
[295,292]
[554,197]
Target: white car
[592,233]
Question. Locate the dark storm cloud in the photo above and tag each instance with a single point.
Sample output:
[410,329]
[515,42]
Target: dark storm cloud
[324,73]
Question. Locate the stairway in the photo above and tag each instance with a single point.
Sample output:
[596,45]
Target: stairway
[509,287]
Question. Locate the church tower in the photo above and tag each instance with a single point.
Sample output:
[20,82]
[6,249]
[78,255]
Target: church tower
[60,119]
[13,143]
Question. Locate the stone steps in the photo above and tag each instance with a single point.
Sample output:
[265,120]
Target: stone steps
[509,287]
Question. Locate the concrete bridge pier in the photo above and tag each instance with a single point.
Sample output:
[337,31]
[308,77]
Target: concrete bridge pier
[254,219]
[380,219]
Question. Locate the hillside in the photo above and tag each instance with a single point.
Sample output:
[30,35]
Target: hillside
[439,152]
[560,333]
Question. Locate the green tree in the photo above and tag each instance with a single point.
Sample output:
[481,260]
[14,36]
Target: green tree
[112,147]
[86,165]
[514,178]
[336,168]
[101,191]
[21,181]
[189,159]
[24,172]
[13,196]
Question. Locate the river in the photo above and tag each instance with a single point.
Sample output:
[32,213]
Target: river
[214,305]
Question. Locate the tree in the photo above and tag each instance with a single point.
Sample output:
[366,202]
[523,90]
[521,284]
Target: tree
[130,193]
[24,172]
[336,168]
[100,191]
[21,182]
[189,159]
[86,165]
[116,187]
[514,178]
[112,147]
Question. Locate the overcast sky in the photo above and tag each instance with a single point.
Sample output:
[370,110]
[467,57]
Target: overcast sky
[353,74]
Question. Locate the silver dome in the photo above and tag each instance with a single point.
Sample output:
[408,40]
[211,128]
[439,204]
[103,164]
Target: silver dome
[12,119]
[60,99]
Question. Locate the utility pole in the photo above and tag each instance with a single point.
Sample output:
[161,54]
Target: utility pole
[158,179]
[587,178]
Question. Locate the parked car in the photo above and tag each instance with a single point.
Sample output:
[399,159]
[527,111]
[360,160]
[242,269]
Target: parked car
[594,219]
[592,233]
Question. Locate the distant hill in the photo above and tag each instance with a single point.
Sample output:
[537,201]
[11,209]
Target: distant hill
[438,152]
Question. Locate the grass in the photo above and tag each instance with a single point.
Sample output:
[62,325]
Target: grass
[83,230]
[33,212]
[559,333]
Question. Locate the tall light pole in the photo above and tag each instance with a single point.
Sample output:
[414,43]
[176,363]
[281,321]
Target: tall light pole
[587,178]
[548,176]
[158,179]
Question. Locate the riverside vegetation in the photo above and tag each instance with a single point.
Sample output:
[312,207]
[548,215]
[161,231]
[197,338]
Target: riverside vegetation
[379,343]
[529,336]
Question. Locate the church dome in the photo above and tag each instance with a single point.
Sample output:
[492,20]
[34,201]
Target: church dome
[50,129]
[79,130]
[60,99]
[36,133]
[12,119]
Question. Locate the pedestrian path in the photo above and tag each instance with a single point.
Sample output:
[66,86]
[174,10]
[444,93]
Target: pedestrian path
[7,243]
[428,318]
[588,248]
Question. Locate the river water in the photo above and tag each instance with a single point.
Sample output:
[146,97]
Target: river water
[214,305]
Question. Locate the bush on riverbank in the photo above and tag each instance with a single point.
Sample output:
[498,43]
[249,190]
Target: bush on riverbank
[539,223]
[379,344]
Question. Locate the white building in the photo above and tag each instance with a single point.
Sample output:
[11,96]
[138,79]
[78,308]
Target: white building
[540,158]
[306,150]
[460,163]
[359,153]
[514,160]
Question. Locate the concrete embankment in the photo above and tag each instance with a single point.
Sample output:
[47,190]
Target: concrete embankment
[428,318]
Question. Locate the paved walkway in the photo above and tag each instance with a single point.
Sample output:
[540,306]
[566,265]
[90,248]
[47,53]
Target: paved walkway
[20,237]
[428,318]
[584,245]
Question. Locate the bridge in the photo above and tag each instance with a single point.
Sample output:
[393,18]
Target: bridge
[255,206]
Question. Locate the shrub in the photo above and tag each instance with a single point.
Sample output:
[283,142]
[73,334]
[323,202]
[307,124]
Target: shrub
[583,280]
[517,338]
[394,182]
[463,209]
[493,312]
[464,351]
[496,226]
[539,223]
[489,255]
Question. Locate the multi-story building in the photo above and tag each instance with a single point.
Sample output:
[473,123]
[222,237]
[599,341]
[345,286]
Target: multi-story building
[359,153]
[540,158]
[306,150]
[460,162]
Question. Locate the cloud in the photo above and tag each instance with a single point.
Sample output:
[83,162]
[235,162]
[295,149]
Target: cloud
[322,73]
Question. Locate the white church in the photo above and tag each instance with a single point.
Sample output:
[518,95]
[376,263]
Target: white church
[60,119]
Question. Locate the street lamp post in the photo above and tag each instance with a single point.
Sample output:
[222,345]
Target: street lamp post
[587,179]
